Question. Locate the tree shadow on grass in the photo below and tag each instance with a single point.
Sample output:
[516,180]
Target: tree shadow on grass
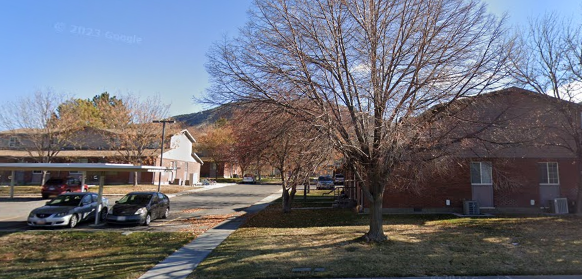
[87,255]
[420,247]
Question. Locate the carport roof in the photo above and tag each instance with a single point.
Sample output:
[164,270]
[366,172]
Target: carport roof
[80,167]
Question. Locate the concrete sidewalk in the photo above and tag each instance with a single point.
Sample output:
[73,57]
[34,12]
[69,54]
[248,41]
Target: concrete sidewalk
[186,259]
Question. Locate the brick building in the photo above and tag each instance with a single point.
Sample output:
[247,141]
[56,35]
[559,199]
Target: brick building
[520,164]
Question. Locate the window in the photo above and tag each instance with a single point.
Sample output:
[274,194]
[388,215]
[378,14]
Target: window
[13,142]
[86,199]
[481,173]
[73,182]
[549,173]
[75,172]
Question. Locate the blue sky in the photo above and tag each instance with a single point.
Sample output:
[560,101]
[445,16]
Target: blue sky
[145,47]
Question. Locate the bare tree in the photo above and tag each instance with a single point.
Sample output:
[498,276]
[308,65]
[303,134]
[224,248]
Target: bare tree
[137,137]
[361,71]
[549,62]
[38,126]
[290,145]
[249,143]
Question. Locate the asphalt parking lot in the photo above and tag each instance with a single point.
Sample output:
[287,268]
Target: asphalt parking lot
[196,210]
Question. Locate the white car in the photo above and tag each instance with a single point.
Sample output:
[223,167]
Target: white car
[68,210]
[249,178]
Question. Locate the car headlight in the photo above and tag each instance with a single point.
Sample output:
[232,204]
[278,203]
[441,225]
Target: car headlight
[141,211]
[62,214]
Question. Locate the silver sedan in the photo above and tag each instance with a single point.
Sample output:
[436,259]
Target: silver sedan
[68,210]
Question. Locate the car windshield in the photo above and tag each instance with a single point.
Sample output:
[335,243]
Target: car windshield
[142,199]
[66,200]
[325,178]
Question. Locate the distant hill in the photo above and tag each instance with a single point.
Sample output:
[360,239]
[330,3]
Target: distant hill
[205,117]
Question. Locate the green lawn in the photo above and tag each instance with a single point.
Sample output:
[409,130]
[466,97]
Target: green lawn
[70,254]
[271,244]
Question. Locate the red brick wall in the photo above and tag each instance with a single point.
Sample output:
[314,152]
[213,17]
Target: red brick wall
[516,183]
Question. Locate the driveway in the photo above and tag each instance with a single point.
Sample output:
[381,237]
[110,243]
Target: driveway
[200,209]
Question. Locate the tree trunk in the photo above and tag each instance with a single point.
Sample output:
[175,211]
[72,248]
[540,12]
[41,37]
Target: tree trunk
[43,178]
[286,201]
[135,179]
[288,196]
[376,232]
[578,207]
[376,198]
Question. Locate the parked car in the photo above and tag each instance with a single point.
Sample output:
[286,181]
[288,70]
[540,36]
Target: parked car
[249,178]
[68,210]
[139,208]
[325,182]
[339,179]
[57,186]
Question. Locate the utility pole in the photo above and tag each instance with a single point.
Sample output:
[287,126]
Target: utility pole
[162,153]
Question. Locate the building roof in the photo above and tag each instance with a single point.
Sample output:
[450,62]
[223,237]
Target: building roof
[80,167]
[188,135]
[74,153]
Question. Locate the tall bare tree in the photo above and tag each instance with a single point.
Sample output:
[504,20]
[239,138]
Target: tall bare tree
[549,62]
[288,144]
[364,70]
[138,137]
[42,130]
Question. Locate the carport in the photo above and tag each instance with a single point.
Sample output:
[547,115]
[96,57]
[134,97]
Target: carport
[83,167]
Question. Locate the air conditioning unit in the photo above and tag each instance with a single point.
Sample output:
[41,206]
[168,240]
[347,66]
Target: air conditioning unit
[471,208]
[560,206]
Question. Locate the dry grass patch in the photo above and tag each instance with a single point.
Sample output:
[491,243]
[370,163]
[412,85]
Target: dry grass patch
[201,224]
[70,254]
[124,189]
[107,189]
[271,244]
[20,190]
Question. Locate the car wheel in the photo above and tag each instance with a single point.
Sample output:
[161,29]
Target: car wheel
[45,196]
[148,220]
[166,213]
[104,214]
[73,221]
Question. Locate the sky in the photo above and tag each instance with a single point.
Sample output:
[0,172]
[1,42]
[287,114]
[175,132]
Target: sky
[141,47]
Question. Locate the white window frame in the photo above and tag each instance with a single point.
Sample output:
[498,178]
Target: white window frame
[547,169]
[481,173]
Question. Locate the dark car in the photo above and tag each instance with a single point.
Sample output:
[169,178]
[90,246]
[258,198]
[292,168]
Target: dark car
[339,179]
[139,208]
[57,186]
[68,210]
